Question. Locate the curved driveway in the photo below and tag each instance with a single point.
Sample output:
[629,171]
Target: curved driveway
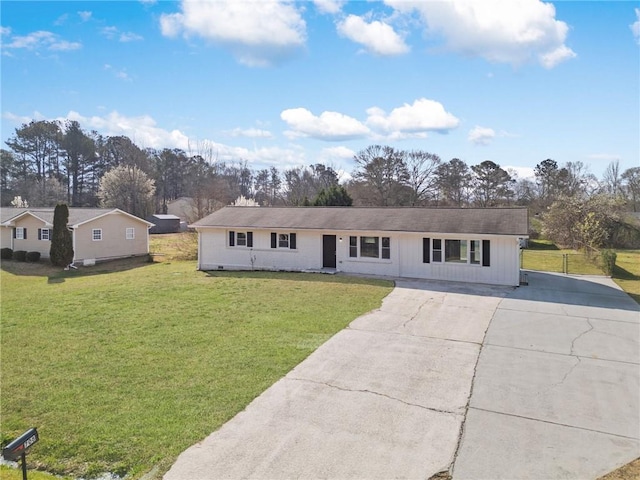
[541,381]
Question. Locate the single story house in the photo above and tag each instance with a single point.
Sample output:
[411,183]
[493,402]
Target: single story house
[164,223]
[97,233]
[480,245]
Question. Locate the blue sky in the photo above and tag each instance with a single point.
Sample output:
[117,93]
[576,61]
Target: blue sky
[296,83]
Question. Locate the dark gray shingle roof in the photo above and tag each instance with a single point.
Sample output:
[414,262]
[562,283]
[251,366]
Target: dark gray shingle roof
[497,221]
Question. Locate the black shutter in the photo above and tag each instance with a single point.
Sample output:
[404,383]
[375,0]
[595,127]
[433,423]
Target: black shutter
[24,233]
[426,250]
[232,239]
[292,241]
[274,240]
[15,235]
[249,239]
[486,253]
[39,234]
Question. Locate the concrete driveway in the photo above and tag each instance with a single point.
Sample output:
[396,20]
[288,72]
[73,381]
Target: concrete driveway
[541,381]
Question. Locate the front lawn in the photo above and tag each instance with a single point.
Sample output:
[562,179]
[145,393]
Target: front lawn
[122,367]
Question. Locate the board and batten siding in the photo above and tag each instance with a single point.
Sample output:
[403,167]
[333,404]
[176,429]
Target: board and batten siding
[503,269]
[406,255]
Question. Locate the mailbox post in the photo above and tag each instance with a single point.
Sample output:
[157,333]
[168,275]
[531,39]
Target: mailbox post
[19,447]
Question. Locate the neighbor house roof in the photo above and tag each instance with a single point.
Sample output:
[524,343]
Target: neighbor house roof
[488,221]
[77,216]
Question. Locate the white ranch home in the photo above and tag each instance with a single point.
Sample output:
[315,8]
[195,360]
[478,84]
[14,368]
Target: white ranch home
[480,245]
[97,233]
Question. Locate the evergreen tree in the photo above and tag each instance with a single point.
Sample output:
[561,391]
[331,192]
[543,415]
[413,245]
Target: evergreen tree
[61,252]
[334,196]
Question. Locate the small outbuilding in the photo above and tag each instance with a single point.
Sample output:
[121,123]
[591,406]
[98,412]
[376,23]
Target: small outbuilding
[164,223]
[480,245]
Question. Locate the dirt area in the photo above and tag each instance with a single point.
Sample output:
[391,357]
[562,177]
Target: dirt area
[630,471]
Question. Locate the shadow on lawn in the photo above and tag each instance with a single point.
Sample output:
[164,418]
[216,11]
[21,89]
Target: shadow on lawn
[58,275]
[298,277]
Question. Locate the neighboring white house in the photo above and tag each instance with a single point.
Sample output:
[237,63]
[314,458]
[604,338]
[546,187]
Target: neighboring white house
[478,245]
[97,234]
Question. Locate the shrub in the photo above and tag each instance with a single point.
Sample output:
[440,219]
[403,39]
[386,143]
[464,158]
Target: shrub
[608,261]
[20,255]
[6,254]
[33,257]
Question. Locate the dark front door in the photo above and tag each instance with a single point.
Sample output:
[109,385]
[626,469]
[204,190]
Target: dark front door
[329,251]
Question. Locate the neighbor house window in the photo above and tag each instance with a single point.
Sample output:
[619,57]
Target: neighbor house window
[44,234]
[20,233]
[437,250]
[130,233]
[455,251]
[241,239]
[369,247]
[96,234]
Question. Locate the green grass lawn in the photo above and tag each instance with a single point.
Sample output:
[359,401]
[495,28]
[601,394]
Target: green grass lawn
[122,366]
[543,255]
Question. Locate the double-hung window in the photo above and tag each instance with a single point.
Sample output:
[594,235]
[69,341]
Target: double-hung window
[370,247]
[20,233]
[241,239]
[455,251]
[283,240]
[44,234]
[437,250]
[96,234]
[130,233]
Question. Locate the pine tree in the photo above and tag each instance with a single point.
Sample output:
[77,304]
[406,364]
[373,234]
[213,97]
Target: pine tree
[61,253]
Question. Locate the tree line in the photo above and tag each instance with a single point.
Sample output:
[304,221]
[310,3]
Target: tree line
[51,161]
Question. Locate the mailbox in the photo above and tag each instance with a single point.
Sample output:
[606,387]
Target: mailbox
[19,447]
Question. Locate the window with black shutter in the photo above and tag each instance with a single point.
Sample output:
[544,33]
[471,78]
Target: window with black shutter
[232,238]
[292,241]
[274,240]
[486,253]
[426,250]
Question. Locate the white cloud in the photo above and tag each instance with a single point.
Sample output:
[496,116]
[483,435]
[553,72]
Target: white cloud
[481,135]
[422,116]
[129,37]
[635,26]
[337,153]
[332,126]
[120,74]
[329,6]
[502,31]
[41,40]
[85,16]
[377,37]
[145,133]
[5,30]
[250,133]
[521,172]
[257,33]
[112,33]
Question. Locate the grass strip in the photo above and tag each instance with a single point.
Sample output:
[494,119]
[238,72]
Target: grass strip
[121,369]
